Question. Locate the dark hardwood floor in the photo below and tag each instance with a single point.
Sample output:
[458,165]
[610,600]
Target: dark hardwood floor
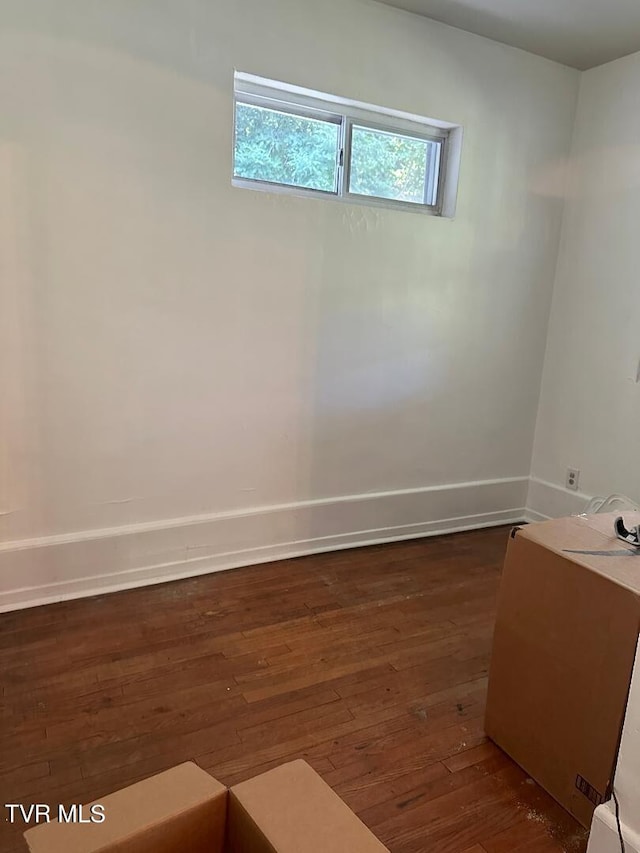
[371,664]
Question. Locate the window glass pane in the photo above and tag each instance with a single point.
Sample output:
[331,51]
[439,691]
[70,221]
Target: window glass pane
[390,165]
[285,149]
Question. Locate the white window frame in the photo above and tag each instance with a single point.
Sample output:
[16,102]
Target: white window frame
[257,91]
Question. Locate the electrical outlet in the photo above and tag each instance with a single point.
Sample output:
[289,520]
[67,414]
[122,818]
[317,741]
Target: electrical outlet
[573,479]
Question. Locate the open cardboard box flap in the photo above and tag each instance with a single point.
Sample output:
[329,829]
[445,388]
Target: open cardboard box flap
[285,810]
[294,809]
[590,541]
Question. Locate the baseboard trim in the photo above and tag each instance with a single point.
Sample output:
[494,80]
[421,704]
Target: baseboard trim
[550,500]
[78,565]
[604,837]
[531,516]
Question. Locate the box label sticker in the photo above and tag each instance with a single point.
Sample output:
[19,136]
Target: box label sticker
[588,790]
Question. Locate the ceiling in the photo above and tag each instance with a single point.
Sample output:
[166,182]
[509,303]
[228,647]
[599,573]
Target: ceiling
[580,33]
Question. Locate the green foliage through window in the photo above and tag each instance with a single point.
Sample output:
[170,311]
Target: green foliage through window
[286,149]
[389,165]
[303,150]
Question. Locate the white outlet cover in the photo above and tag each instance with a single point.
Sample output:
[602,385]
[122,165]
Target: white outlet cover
[572,479]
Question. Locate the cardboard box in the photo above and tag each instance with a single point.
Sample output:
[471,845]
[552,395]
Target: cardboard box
[287,810]
[563,652]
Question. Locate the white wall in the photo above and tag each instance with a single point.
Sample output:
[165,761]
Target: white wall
[627,781]
[604,837]
[197,375]
[590,404]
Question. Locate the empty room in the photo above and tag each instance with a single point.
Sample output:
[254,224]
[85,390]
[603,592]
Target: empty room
[319,426]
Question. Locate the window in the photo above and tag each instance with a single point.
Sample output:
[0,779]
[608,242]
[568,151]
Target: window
[286,148]
[385,164]
[288,139]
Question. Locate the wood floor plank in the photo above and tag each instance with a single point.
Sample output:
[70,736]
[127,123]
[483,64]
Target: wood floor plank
[371,664]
